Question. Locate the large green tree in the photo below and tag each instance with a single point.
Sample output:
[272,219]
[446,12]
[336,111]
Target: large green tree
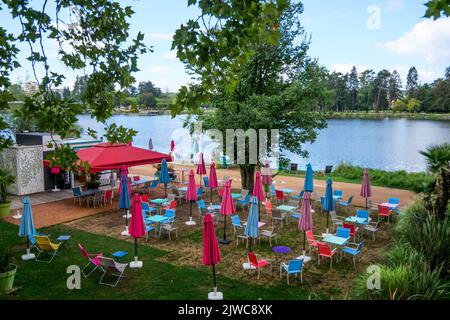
[277,89]
[96,43]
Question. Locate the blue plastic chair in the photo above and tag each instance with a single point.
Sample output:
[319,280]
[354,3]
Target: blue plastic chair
[243,202]
[338,194]
[364,214]
[206,181]
[147,209]
[272,190]
[149,227]
[354,251]
[236,221]
[77,194]
[394,200]
[300,195]
[343,232]
[199,192]
[294,267]
[201,204]
[170,215]
[347,203]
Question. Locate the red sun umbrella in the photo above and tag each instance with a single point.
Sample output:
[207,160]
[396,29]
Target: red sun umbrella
[191,194]
[201,168]
[227,209]
[213,183]
[305,222]
[211,252]
[137,228]
[366,190]
[172,145]
[258,192]
[124,172]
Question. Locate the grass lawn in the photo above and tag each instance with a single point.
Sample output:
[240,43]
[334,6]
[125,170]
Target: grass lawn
[157,280]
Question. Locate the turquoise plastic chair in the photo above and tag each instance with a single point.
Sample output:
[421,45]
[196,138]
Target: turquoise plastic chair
[170,215]
[343,232]
[394,200]
[347,203]
[294,267]
[201,204]
[354,251]
[199,192]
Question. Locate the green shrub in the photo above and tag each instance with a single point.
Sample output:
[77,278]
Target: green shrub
[414,181]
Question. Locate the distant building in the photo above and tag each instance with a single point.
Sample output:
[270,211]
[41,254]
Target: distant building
[30,88]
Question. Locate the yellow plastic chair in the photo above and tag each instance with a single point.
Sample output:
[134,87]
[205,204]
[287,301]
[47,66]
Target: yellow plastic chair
[44,244]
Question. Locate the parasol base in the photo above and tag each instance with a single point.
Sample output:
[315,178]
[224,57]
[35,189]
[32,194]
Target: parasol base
[304,258]
[191,222]
[136,264]
[248,266]
[215,295]
[128,216]
[125,232]
[55,189]
[28,256]
[224,241]
[17,216]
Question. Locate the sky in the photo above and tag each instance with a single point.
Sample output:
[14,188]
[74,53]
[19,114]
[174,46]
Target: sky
[370,34]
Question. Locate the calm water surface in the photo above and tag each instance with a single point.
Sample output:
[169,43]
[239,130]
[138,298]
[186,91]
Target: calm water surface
[390,144]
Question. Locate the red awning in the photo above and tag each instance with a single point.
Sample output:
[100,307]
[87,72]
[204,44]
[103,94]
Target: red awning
[107,156]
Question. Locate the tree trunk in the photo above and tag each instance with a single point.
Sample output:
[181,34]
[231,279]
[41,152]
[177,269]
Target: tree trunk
[247,176]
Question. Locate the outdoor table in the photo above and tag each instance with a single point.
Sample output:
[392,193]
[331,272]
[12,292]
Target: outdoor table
[183,189]
[119,255]
[337,197]
[235,196]
[63,238]
[214,207]
[89,192]
[287,191]
[356,220]
[157,219]
[281,251]
[159,203]
[260,224]
[332,239]
[391,206]
[287,209]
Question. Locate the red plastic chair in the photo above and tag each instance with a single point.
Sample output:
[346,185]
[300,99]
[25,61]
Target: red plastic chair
[92,258]
[258,264]
[312,242]
[172,205]
[136,178]
[144,198]
[268,205]
[108,197]
[384,211]
[352,228]
[326,252]
[279,195]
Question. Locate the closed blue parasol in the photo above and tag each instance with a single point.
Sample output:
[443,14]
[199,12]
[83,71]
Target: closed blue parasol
[124,198]
[252,227]
[309,184]
[26,228]
[164,176]
[328,202]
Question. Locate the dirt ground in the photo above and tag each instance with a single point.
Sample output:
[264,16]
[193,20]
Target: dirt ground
[186,249]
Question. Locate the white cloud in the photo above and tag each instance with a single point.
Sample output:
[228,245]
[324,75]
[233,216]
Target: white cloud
[347,67]
[171,55]
[428,40]
[160,36]
[161,69]
[394,5]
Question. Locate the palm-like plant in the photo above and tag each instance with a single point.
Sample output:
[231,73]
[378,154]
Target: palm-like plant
[6,180]
[438,161]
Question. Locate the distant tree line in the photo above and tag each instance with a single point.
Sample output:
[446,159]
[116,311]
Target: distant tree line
[368,90]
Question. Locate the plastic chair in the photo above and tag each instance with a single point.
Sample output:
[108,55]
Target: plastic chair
[363,214]
[147,209]
[347,203]
[338,194]
[243,202]
[384,212]
[107,197]
[92,259]
[44,245]
[109,266]
[343,232]
[299,197]
[268,205]
[206,181]
[279,195]
[258,263]
[294,267]
[312,242]
[325,251]
[354,251]
[352,228]
[77,194]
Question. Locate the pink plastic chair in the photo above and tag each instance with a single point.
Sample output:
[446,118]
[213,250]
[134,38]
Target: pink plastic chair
[92,258]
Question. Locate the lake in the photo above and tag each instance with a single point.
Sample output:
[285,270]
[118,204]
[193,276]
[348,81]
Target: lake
[388,144]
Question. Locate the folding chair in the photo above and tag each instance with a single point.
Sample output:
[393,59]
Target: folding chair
[44,245]
[109,266]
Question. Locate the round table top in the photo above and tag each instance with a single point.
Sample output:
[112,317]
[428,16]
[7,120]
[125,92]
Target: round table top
[281,249]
